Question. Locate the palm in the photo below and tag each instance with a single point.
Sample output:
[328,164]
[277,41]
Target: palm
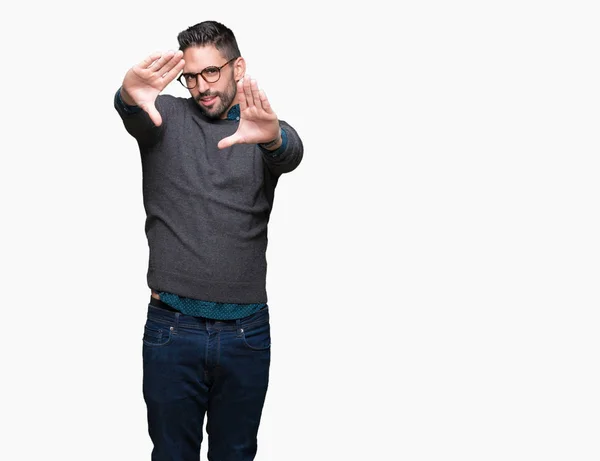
[144,81]
[254,129]
[258,122]
[140,87]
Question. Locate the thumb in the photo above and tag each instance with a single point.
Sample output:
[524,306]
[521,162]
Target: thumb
[153,114]
[229,141]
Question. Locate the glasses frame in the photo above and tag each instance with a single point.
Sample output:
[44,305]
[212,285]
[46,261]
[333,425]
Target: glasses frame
[201,74]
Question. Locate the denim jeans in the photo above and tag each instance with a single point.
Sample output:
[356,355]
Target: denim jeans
[195,366]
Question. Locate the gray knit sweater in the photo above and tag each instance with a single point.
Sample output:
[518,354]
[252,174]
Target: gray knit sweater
[207,209]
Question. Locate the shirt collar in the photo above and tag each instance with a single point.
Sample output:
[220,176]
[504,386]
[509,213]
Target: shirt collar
[234,113]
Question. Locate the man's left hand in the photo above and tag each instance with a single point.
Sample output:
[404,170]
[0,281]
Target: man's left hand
[258,122]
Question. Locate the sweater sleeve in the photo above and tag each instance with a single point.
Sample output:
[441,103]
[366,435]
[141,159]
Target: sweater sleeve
[288,156]
[137,122]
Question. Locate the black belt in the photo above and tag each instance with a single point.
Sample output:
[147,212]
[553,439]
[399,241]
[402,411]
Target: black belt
[158,303]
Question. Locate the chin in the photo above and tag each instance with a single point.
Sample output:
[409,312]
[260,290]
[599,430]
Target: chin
[214,114]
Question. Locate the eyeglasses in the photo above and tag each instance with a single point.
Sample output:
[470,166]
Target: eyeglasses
[210,74]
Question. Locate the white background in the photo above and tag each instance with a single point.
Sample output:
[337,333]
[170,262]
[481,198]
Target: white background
[433,262]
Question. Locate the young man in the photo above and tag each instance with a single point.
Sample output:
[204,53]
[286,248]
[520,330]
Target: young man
[210,166]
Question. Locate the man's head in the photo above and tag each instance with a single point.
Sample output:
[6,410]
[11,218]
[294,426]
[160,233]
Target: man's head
[213,66]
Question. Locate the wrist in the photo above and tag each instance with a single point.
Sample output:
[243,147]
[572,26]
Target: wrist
[123,106]
[273,144]
[126,98]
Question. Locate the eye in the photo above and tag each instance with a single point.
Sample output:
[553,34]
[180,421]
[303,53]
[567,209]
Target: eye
[210,71]
[189,77]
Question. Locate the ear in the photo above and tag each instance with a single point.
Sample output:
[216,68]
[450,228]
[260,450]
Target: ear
[239,69]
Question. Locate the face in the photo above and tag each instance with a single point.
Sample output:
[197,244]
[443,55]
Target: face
[214,99]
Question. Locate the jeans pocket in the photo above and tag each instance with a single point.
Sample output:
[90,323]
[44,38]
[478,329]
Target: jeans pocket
[257,337]
[156,335]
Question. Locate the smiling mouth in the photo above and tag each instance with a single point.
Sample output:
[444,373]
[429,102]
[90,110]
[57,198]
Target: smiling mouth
[207,100]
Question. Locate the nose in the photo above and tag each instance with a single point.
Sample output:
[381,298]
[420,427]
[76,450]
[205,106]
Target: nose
[202,84]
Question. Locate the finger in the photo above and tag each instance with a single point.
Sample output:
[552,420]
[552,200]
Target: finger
[153,114]
[241,96]
[255,92]
[230,141]
[171,63]
[150,59]
[248,91]
[266,105]
[158,64]
[172,74]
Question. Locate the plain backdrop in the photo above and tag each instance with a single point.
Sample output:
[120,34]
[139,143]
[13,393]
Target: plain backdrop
[433,262]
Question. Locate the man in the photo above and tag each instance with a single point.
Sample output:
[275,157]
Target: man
[210,165]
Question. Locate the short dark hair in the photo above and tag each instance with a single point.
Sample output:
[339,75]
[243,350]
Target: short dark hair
[210,33]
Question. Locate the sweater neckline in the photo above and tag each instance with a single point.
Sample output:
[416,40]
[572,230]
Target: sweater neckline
[233,112]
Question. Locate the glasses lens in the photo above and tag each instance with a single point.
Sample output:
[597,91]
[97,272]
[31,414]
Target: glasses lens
[211,74]
[188,81]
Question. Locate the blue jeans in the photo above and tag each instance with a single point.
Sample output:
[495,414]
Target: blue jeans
[195,366]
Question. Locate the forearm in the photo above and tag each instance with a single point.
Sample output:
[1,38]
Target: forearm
[284,154]
[136,121]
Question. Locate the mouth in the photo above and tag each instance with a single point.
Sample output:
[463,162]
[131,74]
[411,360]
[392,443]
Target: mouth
[207,101]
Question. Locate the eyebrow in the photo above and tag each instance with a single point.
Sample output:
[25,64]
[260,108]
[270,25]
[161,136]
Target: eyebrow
[207,67]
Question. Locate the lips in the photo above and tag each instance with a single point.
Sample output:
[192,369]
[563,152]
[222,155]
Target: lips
[208,100]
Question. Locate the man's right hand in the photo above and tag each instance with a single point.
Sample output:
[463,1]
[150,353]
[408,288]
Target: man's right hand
[144,82]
